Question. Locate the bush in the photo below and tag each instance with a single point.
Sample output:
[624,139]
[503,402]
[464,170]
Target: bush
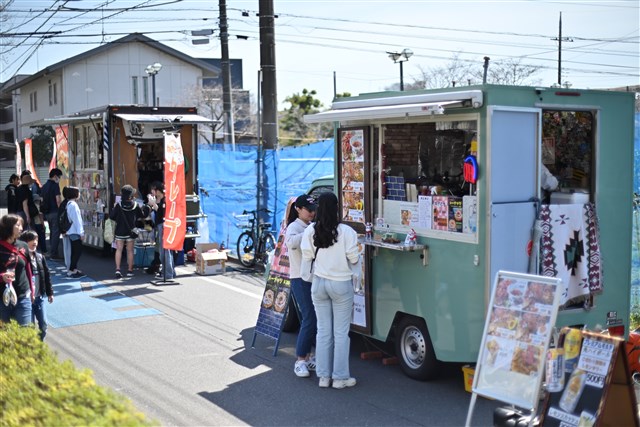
[37,389]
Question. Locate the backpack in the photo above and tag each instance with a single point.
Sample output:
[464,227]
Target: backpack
[64,223]
[44,194]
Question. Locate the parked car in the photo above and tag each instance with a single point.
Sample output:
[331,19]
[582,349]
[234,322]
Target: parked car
[318,186]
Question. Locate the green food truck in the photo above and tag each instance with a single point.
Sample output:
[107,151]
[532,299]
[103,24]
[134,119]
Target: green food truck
[448,187]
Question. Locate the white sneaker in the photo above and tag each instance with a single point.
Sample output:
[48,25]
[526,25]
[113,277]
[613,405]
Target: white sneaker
[311,363]
[349,382]
[301,369]
[324,382]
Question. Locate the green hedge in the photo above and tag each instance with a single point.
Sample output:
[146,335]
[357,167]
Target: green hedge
[38,390]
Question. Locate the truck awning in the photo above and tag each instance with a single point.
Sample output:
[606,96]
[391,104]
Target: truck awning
[61,120]
[397,107]
[188,119]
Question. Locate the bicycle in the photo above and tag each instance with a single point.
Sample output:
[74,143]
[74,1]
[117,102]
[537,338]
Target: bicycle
[248,251]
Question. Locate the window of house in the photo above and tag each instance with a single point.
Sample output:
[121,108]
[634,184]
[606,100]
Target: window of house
[145,90]
[50,93]
[55,94]
[134,89]
[33,101]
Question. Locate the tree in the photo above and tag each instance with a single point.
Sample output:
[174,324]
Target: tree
[208,101]
[293,129]
[458,72]
[42,145]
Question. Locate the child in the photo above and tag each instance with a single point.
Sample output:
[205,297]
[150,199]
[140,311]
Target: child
[42,281]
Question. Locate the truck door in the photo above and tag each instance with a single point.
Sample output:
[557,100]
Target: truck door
[514,135]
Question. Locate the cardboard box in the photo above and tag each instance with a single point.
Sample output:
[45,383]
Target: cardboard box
[208,263]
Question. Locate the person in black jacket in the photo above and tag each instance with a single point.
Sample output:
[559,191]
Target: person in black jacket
[42,283]
[12,202]
[15,271]
[125,214]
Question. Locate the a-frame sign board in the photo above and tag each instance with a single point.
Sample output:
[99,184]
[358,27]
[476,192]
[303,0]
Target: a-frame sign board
[277,292]
[598,391]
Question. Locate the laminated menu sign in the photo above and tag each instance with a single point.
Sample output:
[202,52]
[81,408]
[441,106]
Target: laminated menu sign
[596,389]
[517,332]
[352,176]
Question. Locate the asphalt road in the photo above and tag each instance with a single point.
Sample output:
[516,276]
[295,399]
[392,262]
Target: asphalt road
[182,353]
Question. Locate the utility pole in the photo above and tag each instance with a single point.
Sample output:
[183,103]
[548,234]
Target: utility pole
[269,122]
[268,66]
[227,103]
[560,39]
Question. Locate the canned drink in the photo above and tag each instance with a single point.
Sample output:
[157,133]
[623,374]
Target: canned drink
[573,391]
[572,344]
[554,377]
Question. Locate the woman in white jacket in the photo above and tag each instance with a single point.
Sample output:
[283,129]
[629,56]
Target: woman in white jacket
[332,247]
[75,233]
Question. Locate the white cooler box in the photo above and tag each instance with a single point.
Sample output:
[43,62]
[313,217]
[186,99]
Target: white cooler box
[562,198]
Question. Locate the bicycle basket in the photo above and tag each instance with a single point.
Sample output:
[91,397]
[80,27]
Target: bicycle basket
[243,221]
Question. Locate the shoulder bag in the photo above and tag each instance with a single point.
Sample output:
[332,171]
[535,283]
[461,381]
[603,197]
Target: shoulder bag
[306,268]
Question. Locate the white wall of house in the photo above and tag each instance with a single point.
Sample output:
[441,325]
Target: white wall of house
[107,78]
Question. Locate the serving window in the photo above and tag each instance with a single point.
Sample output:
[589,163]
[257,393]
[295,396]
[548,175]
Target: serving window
[424,178]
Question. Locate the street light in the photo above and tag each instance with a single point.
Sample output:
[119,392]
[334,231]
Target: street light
[152,70]
[401,57]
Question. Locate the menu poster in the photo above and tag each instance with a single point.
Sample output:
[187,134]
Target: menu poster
[440,212]
[597,390]
[425,212]
[352,176]
[522,312]
[455,214]
[275,298]
[359,314]
[469,214]
[409,214]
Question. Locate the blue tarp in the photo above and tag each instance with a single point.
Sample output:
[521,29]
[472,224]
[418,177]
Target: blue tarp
[231,180]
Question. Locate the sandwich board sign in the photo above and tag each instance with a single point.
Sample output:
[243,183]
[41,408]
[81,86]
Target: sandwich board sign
[520,319]
[277,291]
[595,387]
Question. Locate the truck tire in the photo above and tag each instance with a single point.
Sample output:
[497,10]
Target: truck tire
[291,321]
[415,350]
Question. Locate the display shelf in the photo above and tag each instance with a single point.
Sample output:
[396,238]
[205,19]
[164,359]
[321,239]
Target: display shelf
[377,244]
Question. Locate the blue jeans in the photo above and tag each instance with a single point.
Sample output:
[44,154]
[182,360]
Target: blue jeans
[40,314]
[66,250]
[334,304]
[21,312]
[308,328]
[54,233]
[166,256]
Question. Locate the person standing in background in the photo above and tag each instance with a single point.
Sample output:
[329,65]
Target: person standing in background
[300,215]
[332,247]
[159,205]
[75,233]
[42,287]
[125,214]
[15,271]
[154,268]
[12,203]
[51,199]
[27,208]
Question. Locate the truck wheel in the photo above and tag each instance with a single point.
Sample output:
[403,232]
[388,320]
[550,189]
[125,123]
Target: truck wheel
[291,321]
[415,350]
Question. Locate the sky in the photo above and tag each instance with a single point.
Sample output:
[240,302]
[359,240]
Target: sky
[315,39]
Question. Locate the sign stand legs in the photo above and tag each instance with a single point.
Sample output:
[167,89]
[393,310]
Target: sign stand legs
[472,404]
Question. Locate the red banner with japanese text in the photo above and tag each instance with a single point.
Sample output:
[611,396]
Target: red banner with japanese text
[28,159]
[62,152]
[175,217]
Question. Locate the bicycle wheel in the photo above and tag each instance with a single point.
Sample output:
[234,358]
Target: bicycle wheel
[246,249]
[268,245]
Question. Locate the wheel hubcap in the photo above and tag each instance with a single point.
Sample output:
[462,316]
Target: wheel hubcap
[414,349]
